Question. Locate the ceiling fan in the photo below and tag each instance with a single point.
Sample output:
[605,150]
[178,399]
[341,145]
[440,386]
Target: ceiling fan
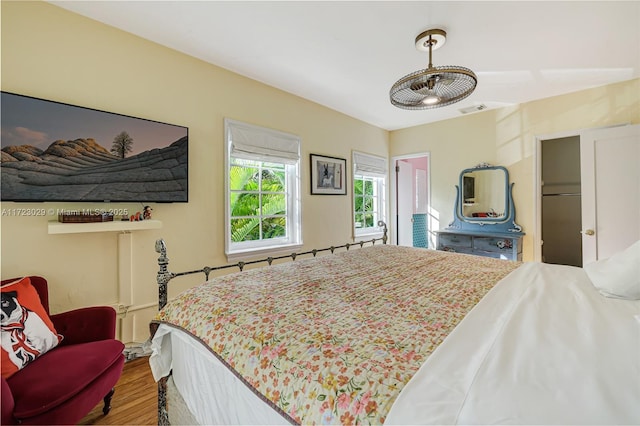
[433,87]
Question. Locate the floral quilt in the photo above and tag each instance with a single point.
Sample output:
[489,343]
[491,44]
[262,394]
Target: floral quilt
[334,339]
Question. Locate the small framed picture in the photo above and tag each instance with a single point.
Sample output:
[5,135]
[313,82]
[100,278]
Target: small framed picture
[328,175]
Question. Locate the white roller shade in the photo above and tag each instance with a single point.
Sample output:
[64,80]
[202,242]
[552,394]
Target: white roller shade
[259,143]
[369,165]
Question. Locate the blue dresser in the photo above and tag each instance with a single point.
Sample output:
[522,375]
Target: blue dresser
[498,245]
[484,221]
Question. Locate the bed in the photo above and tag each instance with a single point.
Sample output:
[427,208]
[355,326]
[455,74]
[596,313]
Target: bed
[397,335]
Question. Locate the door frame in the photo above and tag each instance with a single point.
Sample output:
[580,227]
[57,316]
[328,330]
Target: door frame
[393,195]
[537,180]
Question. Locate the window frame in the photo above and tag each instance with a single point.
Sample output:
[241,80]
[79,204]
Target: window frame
[273,246]
[375,171]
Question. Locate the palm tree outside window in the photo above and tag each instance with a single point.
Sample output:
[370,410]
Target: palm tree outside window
[258,200]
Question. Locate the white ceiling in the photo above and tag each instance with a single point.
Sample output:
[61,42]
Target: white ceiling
[346,55]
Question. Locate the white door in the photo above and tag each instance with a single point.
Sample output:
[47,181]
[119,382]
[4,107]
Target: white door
[610,163]
[404,190]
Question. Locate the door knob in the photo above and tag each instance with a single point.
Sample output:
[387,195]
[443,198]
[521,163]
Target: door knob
[589,232]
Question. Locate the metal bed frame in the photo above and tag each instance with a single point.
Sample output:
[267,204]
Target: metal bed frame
[164,276]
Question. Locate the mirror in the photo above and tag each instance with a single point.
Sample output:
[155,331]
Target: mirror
[484,193]
[483,197]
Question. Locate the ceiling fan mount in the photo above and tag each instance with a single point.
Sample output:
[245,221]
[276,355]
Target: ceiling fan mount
[434,38]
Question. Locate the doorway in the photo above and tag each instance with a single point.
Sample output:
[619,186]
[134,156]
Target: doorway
[411,201]
[561,201]
[587,194]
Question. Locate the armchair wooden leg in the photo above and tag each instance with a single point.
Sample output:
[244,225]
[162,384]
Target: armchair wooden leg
[107,401]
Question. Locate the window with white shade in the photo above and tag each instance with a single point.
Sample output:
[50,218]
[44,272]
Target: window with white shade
[369,180]
[262,190]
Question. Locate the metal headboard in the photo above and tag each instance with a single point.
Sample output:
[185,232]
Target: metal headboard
[164,276]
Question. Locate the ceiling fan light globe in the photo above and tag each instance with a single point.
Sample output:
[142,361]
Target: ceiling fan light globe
[431,99]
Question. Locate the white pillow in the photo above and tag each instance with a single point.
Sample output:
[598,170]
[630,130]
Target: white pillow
[619,275]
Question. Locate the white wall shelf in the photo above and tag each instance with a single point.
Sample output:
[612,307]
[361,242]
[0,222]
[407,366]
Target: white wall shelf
[56,227]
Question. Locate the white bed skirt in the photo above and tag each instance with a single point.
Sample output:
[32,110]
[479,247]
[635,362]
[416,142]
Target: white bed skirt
[208,388]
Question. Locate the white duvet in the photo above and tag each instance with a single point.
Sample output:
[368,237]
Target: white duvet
[542,347]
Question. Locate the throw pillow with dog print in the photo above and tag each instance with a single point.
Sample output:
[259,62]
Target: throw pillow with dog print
[27,330]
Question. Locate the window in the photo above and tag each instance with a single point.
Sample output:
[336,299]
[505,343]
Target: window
[262,190]
[369,177]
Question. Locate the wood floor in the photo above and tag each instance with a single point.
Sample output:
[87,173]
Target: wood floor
[135,400]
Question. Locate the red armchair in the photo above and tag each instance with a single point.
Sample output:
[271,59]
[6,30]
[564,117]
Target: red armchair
[66,383]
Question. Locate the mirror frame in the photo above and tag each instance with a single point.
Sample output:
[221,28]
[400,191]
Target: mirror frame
[504,223]
[460,201]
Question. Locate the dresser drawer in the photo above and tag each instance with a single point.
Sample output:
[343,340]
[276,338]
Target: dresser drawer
[492,244]
[503,246]
[457,241]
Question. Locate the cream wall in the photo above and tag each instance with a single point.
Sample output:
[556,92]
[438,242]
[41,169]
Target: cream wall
[507,137]
[50,53]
